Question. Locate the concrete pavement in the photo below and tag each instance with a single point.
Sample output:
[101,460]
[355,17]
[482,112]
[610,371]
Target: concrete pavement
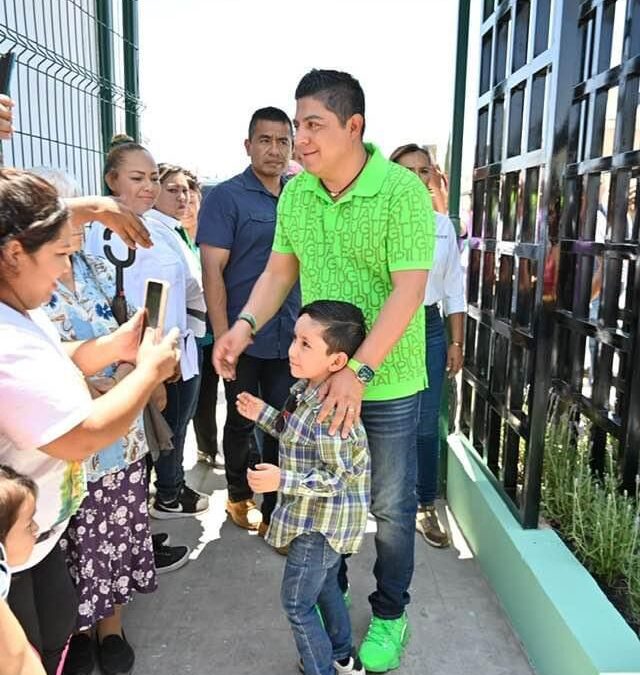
[221,615]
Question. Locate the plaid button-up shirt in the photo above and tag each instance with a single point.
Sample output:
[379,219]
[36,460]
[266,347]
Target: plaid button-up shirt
[325,480]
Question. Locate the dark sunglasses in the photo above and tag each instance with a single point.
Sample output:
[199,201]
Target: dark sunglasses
[289,406]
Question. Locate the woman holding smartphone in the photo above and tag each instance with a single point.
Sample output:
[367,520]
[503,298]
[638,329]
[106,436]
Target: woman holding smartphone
[49,423]
[445,287]
[108,544]
[133,176]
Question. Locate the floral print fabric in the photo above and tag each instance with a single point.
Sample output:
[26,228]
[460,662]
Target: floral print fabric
[108,545]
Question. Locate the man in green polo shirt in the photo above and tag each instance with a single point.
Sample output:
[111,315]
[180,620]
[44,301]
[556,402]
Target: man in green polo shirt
[358,228]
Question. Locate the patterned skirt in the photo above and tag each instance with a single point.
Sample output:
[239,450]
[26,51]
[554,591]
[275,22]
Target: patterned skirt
[108,544]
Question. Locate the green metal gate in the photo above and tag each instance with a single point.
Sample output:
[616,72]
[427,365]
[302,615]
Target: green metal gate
[75,82]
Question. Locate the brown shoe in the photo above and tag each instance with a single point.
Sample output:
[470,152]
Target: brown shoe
[244,514]
[428,524]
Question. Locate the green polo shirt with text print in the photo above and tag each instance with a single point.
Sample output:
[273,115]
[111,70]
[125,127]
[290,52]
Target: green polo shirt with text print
[347,250]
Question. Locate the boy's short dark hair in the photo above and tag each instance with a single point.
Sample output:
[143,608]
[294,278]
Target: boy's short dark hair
[340,92]
[14,487]
[269,114]
[344,324]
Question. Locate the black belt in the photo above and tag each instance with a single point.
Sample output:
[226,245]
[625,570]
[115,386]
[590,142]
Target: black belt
[197,314]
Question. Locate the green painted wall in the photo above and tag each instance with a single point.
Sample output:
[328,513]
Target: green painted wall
[565,622]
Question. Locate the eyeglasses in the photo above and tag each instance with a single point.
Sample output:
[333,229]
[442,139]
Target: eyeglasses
[289,406]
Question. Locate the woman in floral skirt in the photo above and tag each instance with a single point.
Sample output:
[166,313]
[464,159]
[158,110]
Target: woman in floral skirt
[108,542]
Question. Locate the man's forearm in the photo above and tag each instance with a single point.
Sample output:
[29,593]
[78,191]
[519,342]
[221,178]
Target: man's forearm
[267,296]
[394,317]
[215,295]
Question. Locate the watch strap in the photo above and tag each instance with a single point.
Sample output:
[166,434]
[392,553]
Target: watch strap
[250,319]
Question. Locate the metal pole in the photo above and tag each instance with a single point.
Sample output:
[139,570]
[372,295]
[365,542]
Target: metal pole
[454,152]
[131,69]
[105,59]
[458,112]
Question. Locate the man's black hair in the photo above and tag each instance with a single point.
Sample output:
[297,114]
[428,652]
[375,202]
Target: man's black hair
[344,324]
[269,114]
[340,92]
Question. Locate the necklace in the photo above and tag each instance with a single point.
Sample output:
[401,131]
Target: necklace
[335,194]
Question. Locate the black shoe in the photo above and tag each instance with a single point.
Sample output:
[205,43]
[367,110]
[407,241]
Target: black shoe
[170,558]
[115,655]
[80,658]
[188,503]
[160,539]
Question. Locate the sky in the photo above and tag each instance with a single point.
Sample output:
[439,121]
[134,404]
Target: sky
[206,65]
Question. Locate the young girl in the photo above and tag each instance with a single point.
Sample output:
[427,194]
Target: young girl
[17,539]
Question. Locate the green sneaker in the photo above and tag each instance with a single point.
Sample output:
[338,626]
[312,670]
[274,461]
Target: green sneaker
[384,644]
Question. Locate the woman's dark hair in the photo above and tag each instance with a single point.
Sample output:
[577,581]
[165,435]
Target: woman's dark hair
[192,180]
[344,324]
[407,149]
[167,170]
[30,210]
[340,92]
[14,487]
[121,145]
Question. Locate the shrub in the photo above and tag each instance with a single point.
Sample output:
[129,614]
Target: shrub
[599,520]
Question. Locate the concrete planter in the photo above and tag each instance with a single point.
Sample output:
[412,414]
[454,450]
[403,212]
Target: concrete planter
[565,622]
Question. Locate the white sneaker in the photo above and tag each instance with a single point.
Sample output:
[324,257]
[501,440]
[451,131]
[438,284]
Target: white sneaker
[354,667]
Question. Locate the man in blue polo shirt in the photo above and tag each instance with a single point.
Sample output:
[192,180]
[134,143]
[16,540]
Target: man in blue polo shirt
[235,232]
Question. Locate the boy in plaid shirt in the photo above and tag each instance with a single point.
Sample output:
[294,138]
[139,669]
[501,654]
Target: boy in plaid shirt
[323,485]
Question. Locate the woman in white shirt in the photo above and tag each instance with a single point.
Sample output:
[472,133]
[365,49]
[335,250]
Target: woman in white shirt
[132,175]
[48,422]
[182,396]
[446,287]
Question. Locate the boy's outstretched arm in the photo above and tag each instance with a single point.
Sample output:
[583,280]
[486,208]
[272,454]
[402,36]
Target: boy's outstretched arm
[256,410]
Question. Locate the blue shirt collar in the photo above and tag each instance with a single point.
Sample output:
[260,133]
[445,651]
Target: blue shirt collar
[252,182]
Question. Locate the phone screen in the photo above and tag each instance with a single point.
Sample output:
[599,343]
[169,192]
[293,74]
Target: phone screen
[152,304]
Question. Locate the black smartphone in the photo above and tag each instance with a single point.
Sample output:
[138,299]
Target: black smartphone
[7,62]
[155,304]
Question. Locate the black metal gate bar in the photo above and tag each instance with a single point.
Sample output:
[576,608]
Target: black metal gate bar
[553,285]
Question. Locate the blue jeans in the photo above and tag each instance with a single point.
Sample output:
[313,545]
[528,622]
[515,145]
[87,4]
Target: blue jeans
[182,402]
[428,441]
[391,430]
[310,578]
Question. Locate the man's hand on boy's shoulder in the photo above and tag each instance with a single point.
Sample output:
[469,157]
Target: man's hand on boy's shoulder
[341,395]
[249,406]
[265,478]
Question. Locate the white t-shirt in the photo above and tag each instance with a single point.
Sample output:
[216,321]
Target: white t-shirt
[43,395]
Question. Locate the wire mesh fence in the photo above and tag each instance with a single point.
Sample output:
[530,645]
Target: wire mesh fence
[70,83]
